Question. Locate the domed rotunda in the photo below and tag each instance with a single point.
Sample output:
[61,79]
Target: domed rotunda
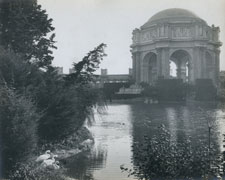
[175,43]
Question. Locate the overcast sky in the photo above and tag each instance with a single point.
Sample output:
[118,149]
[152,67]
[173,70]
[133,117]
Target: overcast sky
[81,25]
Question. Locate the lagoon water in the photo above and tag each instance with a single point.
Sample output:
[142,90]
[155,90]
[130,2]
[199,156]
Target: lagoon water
[122,124]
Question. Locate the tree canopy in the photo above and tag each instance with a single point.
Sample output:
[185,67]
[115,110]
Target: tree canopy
[26,29]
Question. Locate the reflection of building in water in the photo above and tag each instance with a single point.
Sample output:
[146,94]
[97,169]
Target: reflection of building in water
[219,125]
[221,92]
[176,36]
[182,121]
[82,165]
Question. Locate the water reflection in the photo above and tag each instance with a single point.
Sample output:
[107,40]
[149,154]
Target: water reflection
[82,164]
[112,132]
[125,124]
[220,127]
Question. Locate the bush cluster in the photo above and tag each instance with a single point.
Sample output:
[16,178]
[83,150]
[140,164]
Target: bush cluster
[160,158]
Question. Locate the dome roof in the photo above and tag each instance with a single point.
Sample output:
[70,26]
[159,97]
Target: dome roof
[171,15]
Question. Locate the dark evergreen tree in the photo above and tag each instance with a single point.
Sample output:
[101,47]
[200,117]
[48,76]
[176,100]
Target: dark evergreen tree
[68,101]
[84,69]
[25,28]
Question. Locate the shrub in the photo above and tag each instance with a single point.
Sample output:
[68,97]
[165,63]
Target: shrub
[18,123]
[160,158]
[33,171]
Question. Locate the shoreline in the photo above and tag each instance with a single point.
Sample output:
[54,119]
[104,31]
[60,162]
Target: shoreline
[142,99]
[84,142]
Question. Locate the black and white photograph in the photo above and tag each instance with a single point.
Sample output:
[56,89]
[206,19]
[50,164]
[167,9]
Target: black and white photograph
[112,90]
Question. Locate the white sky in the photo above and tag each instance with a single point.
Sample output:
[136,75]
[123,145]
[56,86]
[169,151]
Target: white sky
[81,25]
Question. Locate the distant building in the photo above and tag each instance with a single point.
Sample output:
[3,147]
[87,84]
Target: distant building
[130,71]
[178,36]
[104,72]
[59,70]
[104,77]
[112,78]
[71,70]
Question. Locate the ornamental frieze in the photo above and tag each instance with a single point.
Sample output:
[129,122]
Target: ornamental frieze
[175,32]
[148,36]
[181,32]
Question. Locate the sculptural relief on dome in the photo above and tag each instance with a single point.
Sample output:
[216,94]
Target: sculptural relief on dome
[149,35]
[200,31]
[181,32]
[162,31]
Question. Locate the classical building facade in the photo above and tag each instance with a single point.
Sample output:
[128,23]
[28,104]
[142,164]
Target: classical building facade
[176,40]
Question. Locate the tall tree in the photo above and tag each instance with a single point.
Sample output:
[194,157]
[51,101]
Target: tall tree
[25,28]
[84,69]
[67,101]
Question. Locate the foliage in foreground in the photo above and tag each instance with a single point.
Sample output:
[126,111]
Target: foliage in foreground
[18,125]
[160,158]
[33,171]
[67,102]
[38,106]
[64,103]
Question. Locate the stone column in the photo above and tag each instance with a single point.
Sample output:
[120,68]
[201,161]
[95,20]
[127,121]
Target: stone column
[142,69]
[159,62]
[134,66]
[196,63]
[183,73]
[165,63]
[217,66]
[214,69]
[138,66]
[178,69]
[203,63]
[191,67]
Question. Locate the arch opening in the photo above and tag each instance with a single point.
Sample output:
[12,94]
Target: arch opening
[180,65]
[150,68]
